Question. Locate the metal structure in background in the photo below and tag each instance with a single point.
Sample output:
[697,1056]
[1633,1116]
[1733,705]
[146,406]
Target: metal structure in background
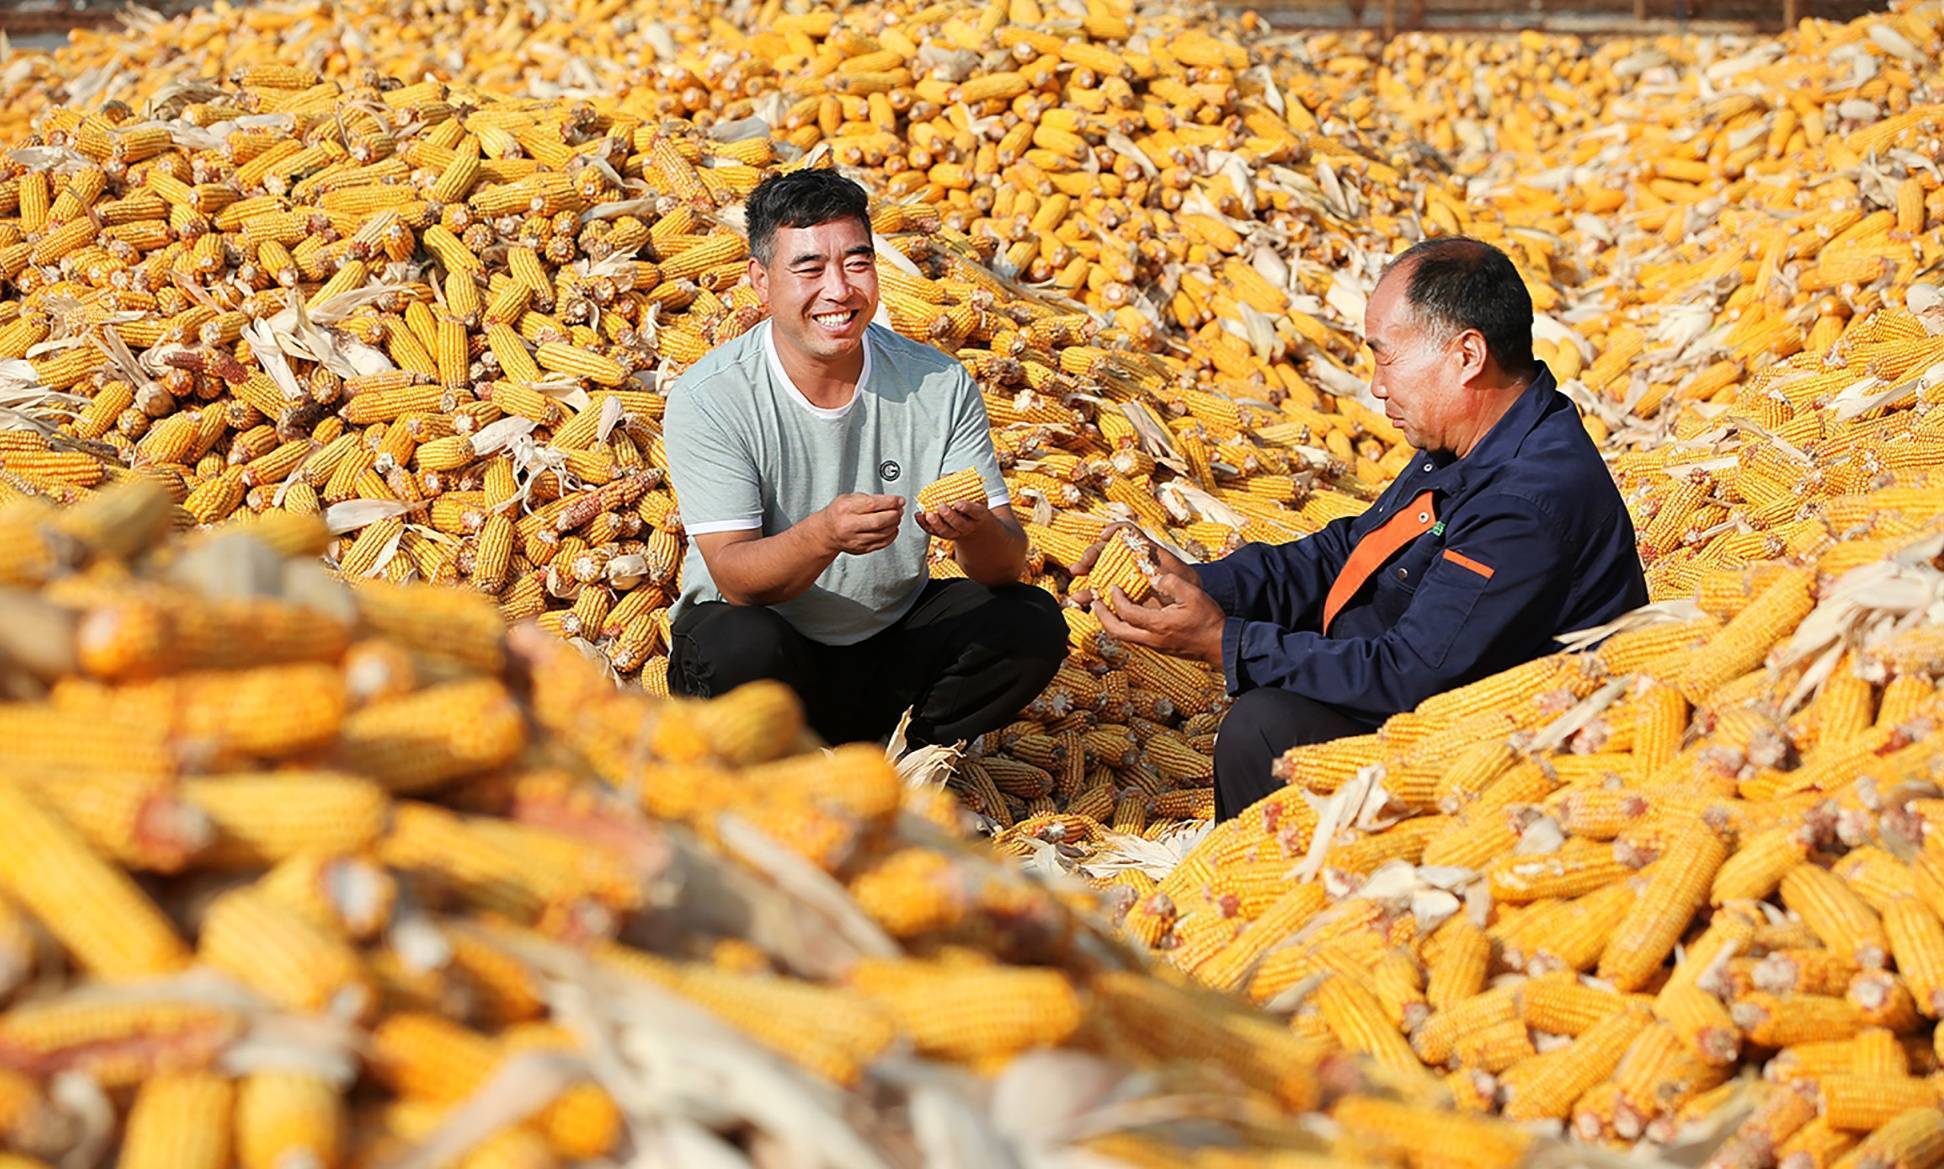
[1584,17]
[47,21]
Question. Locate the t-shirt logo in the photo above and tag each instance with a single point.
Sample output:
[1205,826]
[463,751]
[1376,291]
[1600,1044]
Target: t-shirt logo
[889,471]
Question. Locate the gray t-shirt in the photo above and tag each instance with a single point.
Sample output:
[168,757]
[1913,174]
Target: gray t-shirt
[748,452]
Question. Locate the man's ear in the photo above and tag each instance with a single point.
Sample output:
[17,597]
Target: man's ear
[1473,354]
[759,279]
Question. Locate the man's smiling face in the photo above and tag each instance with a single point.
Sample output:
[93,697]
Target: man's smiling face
[821,286]
[1418,375]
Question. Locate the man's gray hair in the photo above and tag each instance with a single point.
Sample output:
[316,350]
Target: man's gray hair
[1455,283]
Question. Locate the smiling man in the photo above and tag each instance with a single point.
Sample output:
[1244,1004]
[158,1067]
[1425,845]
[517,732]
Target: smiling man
[1504,531]
[797,451]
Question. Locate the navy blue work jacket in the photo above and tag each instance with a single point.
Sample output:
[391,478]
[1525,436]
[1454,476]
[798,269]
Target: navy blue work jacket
[1526,538]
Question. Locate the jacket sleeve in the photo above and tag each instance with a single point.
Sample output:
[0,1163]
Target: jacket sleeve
[1495,593]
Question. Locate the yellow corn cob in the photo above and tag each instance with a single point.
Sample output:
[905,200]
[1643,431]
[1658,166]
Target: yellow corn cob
[1568,1074]
[1912,1138]
[975,1012]
[1789,1019]
[1125,563]
[433,736]
[1677,887]
[1390,1128]
[1843,921]
[1742,643]
[433,1060]
[1458,972]
[50,870]
[180,1121]
[262,819]
[287,1118]
[1357,1020]
[289,960]
[959,486]
[577,362]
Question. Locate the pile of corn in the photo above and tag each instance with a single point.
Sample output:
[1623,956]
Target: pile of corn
[1723,202]
[301,873]
[443,313]
[431,287]
[1596,888]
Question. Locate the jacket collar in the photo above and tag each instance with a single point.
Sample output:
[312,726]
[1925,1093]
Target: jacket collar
[1502,442]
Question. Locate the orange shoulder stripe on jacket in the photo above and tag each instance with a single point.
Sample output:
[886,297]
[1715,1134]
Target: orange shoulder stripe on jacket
[1377,546]
[1464,561]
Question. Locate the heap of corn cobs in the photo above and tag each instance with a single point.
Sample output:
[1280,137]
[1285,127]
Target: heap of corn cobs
[1595,889]
[443,312]
[1599,890]
[1676,884]
[306,873]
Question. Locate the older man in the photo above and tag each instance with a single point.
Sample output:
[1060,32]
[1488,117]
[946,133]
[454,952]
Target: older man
[797,450]
[1505,530]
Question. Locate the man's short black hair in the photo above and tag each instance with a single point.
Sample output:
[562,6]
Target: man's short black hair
[1457,283]
[802,198]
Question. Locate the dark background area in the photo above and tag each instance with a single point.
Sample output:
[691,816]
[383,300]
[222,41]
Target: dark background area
[45,22]
[1594,17]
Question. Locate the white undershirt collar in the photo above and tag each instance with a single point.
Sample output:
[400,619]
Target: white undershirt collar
[828,413]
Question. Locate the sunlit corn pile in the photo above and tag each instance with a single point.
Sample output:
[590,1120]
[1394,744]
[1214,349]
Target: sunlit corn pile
[1598,889]
[443,315]
[307,873]
[1591,892]
[1710,204]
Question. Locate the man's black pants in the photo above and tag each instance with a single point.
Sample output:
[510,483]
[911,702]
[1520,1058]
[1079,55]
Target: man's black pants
[965,659]
[1257,730]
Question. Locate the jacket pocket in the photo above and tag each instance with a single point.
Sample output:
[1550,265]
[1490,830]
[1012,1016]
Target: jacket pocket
[1453,600]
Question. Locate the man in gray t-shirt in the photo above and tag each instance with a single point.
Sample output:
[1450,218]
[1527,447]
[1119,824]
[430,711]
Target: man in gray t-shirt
[797,452]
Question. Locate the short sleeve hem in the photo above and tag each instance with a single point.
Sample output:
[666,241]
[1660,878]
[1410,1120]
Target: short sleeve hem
[743,524]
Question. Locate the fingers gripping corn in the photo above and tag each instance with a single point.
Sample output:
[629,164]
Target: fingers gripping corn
[1126,563]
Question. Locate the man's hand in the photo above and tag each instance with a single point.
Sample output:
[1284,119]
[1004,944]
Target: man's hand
[1186,622]
[956,521]
[857,523]
[1169,564]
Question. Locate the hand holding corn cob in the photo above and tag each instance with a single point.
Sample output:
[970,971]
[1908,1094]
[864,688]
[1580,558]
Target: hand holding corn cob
[954,507]
[859,524]
[1124,568]
[966,486]
[1146,596]
[1122,556]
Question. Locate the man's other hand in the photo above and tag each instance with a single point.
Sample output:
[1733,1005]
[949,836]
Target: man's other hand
[956,521]
[1180,619]
[1169,564]
[857,523]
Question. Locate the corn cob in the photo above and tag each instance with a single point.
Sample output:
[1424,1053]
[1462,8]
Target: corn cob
[959,486]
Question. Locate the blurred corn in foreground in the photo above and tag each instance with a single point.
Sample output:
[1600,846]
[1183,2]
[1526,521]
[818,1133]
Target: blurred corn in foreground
[396,878]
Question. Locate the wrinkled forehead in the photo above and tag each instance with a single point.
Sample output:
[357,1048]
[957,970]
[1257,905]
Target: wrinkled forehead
[1388,315]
